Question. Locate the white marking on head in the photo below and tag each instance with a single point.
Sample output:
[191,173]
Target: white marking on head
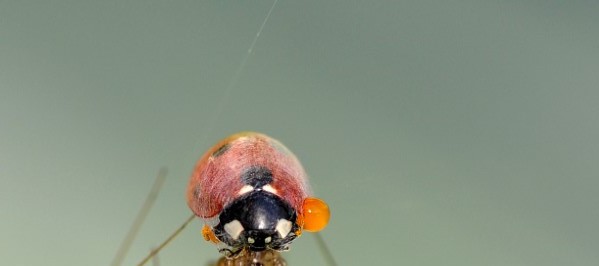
[245,189]
[283,227]
[251,240]
[267,240]
[234,229]
[270,189]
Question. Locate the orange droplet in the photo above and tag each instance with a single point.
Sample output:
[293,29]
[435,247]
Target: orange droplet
[316,214]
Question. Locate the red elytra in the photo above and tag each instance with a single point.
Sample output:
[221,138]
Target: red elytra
[215,181]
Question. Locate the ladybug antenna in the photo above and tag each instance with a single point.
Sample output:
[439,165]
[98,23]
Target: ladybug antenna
[141,216]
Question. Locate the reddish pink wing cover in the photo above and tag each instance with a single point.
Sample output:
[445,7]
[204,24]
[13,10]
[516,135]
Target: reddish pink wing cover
[216,179]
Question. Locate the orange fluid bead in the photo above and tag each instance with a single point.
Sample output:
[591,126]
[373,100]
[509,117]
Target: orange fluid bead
[316,214]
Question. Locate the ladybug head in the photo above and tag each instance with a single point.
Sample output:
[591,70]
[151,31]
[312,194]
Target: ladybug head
[257,220]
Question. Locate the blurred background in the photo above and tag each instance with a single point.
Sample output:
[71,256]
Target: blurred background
[440,132]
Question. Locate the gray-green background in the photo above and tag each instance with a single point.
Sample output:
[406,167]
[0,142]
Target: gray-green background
[440,132]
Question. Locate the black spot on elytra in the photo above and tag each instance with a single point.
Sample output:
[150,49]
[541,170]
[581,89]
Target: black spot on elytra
[196,192]
[256,176]
[221,150]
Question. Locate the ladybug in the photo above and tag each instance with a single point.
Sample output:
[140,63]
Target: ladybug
[253,195]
